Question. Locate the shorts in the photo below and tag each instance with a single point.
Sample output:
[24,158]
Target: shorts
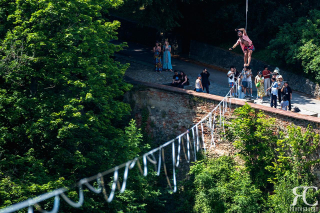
[231,84]
[249,48]
[244,84]
[249,84]
[199,90]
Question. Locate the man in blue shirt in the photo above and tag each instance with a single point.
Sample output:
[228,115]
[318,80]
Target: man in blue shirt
[274,93]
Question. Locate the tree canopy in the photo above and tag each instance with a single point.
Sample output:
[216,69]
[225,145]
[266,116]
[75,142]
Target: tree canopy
[62,114]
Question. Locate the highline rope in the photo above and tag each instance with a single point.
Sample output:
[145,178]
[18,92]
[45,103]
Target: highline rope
[146,157]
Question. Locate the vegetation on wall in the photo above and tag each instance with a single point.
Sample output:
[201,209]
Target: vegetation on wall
[263,175]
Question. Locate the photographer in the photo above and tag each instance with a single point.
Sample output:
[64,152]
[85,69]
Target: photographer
[287,93]
[274,93]
[231,75]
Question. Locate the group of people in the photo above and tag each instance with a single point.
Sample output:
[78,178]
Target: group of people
[201,85]
[162,57]
[180,79]
[267,83]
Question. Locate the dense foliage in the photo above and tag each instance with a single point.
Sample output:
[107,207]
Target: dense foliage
[62,115]
[222,187]
[262,179]
[298,44]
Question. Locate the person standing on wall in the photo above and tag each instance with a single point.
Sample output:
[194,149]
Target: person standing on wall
[198,84]
[231,76]
[266,75]
[286,91]
[167,56]
[205,79]
[274,93]
[246,45]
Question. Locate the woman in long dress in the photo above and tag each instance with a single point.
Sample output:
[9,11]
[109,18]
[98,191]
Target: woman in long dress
[260,89]
[167,56]
[157,57]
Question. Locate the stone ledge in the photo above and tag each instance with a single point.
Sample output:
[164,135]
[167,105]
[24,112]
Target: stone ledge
[219,98]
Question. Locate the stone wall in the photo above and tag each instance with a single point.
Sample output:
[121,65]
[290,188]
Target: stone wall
[166,112]
[170,111]
[219,57]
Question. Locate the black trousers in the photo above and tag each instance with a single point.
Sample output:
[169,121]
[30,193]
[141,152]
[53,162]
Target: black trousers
[289,104]
[279,95]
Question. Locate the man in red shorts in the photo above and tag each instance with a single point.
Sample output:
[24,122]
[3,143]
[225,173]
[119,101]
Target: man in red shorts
[246,45]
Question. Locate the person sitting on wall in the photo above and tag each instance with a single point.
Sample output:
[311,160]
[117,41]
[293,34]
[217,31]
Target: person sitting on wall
[176,79]
[184,80]
[246,45]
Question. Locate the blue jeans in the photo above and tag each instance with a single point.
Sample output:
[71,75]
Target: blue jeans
[199,90]
[273,102]
[205,87]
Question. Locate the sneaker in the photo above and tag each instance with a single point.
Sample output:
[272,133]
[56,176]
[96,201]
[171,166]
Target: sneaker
[251,96]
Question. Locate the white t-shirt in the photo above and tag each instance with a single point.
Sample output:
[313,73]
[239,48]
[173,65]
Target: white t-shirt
[249,77]
[198,84]
[232,79]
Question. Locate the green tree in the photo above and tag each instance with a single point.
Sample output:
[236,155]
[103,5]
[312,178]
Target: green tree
[298,43]
[221,186]
[256,138]
[61,98]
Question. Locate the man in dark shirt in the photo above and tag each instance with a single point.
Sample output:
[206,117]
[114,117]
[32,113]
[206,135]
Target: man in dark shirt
[286,91]
[205,79]
[176,79]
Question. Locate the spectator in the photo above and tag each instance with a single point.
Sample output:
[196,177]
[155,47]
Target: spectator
[240,86]
[259,82]
[284,103]
[157,57]
[231,76]
[184,79]
[286,91]
[167,56]
[176,79]
[236,75]
[249,81]
[280,85]
[275,74]
[244,81]
[274,93]
[205,79]
[199,87]
[266,75]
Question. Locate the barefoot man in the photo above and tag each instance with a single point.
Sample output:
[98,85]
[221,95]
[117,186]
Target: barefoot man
[246,45]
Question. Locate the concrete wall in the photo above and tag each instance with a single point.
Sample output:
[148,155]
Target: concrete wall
[219,57]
